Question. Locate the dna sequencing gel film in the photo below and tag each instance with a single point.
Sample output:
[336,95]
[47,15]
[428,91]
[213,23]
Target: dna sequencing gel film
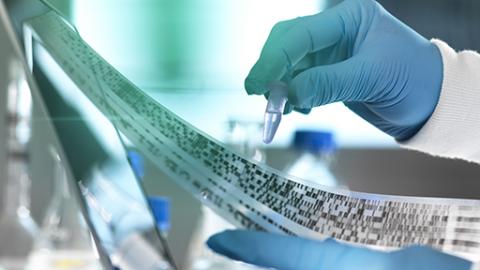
[247,193]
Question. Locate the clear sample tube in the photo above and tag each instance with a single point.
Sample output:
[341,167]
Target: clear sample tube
[275,106]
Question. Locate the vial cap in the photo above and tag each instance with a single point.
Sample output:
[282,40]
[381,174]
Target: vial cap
[314,141]
[137,163]
[161,211]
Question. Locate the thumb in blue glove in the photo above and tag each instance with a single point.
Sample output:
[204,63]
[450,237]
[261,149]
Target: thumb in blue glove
[289,252]
[359,54]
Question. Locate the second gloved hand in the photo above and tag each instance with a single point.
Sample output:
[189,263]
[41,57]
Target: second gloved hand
[359,54]
[294,253]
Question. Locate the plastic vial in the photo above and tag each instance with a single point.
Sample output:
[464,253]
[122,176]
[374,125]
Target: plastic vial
[316,150]
[277,100]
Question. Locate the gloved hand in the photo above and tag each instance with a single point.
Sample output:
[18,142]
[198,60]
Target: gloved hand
[289,252]
[358,53]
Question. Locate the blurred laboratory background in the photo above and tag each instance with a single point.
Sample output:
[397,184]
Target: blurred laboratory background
[192,56]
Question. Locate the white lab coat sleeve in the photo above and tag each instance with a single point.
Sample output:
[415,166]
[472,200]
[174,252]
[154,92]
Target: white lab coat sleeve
[453,130]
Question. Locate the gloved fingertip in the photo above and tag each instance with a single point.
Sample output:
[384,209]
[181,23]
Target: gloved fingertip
[225,238]
[217,239]
[224,243]
[213,242]
[255,87]
[333,242]
[302,110]
[300,94]
[217,243]
[288,108]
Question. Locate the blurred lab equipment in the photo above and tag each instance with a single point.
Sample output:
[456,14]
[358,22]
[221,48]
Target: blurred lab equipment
[134,252]
[16,225]
[95,161]
[64,242]
[139,250]
[316,151]
[160,208]
[245,136]
[127,230]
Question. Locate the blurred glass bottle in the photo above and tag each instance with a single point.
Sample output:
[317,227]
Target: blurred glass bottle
[64,242]
[316,151]
[17,227]
[136,252]
[245,137]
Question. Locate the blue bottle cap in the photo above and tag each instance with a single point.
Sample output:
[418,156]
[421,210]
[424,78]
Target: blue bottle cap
[137,163]
[161,211]
[314,141]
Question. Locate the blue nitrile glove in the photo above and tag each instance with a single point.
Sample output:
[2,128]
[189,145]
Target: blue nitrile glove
[358,53]
[289,252]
